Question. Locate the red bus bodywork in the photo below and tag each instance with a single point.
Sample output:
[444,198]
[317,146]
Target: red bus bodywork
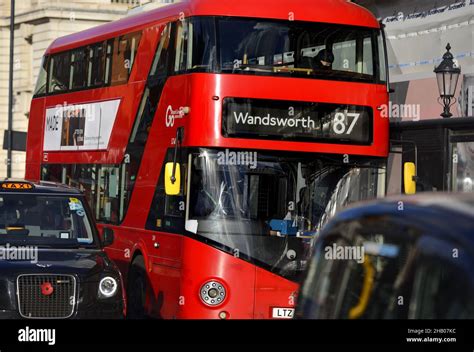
[177,269]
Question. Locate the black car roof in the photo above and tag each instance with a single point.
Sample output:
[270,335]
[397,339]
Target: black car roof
[42,187]
[462,203]
[448,214]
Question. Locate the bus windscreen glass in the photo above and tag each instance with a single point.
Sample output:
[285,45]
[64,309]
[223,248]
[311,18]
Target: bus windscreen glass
[265,204]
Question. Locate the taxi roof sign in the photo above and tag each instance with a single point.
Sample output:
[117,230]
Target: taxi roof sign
[17,186]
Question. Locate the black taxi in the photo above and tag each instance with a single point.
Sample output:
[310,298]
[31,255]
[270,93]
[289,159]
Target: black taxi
[52,262]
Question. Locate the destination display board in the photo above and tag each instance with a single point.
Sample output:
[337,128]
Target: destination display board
[297,121]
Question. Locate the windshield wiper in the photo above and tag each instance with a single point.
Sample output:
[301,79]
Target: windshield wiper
[287,69]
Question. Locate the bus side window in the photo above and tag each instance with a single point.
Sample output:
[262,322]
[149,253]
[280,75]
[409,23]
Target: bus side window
[108,61]
[161,60]
[183,58]
[167,212]
[41,84]
[147,108]
[104,186]
[124,54]
[59,72]
[97,57]
[84,177]
[109,195]
[52,173]
[78,73]
[194,45]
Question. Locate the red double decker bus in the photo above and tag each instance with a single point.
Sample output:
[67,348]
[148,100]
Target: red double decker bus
[215,139]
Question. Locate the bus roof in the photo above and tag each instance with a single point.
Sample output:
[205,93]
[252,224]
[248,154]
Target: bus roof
[329,11]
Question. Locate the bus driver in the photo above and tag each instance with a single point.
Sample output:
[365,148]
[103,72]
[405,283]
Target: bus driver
[324,60]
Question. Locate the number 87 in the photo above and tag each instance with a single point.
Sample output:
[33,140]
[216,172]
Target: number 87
[339,125]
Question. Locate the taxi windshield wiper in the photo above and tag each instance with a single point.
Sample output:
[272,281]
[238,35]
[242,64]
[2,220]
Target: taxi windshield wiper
[75,245]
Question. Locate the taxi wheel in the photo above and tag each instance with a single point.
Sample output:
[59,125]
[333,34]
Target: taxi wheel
[137,288]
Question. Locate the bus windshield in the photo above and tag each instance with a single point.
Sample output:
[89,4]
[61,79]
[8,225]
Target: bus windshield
[280,48]
[268,207]
[297,48]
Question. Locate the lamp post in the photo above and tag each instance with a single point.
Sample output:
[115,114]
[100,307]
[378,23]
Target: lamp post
[447,75]
[10,90]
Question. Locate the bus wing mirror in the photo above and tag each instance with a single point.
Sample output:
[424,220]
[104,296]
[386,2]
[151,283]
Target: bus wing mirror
[172,179]
[409,178]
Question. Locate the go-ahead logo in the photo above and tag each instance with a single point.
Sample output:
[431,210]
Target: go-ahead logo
[172,115]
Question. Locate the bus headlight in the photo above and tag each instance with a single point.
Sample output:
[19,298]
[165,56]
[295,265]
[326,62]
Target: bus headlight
[213,293]
[108,287]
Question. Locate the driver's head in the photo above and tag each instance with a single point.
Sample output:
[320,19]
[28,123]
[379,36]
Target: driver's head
[324,59]
[9,211]
[48,217]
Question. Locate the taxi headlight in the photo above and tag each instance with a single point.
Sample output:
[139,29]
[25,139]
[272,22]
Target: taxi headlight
[108,287]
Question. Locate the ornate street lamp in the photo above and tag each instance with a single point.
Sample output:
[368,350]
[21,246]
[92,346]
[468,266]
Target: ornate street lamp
[447,74]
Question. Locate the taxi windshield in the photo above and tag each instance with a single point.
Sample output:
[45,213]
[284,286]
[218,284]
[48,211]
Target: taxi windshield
[45,220]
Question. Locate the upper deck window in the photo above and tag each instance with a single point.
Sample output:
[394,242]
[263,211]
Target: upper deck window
[298,49]
[279,48]
[41,84]
[195,45]
[59,73]
[97,65]
[78,73]
[125,52]
[382,57]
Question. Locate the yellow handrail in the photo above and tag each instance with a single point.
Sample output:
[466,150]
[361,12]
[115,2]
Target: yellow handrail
[357,311]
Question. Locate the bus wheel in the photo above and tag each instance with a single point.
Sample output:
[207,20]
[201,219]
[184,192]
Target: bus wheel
[137,289]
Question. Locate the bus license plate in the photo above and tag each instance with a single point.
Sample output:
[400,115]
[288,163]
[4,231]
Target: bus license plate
[283,313]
